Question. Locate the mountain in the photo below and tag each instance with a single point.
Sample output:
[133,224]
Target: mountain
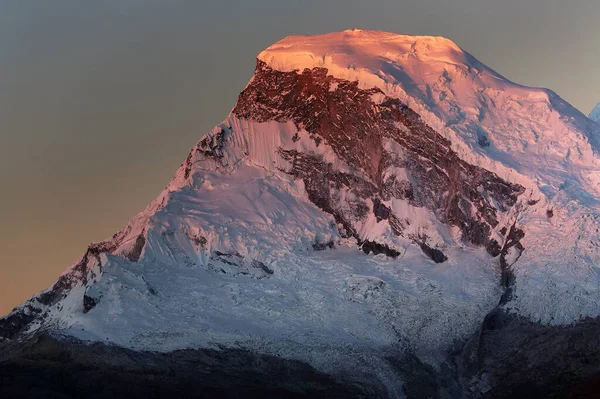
[595,114]
[381,215]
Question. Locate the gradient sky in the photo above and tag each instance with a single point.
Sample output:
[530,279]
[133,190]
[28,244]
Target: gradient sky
[101,101]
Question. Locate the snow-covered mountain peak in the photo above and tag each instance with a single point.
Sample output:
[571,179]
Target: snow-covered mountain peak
[595,114]
[356,48]
[524,134]
[446,175]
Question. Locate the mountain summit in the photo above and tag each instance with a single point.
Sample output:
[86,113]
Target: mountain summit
[381,211]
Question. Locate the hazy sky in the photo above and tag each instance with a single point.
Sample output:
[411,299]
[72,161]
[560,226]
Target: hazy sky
[101,101]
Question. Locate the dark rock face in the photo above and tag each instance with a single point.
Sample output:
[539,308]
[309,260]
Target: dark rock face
[336,116]
[12,324]
[513,240]
[347,118]
[51,368]
[376,249]
[235,264]
[138,247]
[320,246]
[381,211]
[210,146]
[89,303]
[509,357]
[323,185]
[423,381]
[513,357]
[435,254]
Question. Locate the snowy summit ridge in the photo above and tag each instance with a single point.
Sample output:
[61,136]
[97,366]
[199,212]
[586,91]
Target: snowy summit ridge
[467,193]
[526,128]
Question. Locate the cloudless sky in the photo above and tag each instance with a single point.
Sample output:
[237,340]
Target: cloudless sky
[100,101]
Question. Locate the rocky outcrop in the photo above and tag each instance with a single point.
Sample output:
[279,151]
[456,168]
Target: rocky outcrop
[435,254]
[513,244]
[136,252]
[357,123]
[18,319]
[47,367]
[89,302]
[235,264]
[323,184]
[376,248]
[512,357]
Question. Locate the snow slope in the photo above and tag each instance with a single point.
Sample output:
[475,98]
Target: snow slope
[181,295]
[227,254]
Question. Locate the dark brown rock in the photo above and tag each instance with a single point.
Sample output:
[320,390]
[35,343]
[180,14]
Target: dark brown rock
[138,247]
[89,303]
[376,248]
[320,246]
[49,368]
[435,254]
[518,358]
[381,211]
[356,128]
